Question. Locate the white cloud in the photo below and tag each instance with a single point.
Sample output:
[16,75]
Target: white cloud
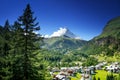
[58,33]
[61,32]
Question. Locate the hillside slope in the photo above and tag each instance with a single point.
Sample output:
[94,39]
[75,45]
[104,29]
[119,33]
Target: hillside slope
[63,44]
[108,42]
[111,29]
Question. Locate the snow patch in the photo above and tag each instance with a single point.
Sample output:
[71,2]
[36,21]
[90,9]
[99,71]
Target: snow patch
[61,32]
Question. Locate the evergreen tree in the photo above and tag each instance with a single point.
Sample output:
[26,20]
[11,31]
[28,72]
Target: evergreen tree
[29,39]
[5,55]
[19,47]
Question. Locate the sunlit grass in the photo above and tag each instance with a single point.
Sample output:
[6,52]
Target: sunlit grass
[77,77]
[107,58]
[74,78]
[102,74]
[99,74]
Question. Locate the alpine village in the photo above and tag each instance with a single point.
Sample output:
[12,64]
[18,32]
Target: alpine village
[27,55]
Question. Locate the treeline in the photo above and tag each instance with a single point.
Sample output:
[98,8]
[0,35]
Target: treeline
[57,59]
[18,49]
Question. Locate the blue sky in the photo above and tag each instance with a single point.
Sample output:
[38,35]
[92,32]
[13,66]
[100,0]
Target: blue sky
[85,18]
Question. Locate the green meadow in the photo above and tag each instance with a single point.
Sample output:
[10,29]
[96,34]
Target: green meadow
[102,74]
[99,74]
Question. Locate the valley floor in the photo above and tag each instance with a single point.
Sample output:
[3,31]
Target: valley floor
[92,72]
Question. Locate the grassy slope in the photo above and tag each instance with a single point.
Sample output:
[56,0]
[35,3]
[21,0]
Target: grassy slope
[101,58]
[99,73]
[78,77]
[102,74]
[112,28]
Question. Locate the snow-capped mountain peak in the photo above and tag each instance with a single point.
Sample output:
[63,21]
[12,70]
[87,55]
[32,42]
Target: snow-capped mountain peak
[59,32]
[64,32]
[69,34]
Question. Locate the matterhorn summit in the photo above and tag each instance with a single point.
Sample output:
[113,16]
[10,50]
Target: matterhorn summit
[63,32]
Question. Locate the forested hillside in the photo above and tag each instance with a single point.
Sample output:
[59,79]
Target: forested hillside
[108,42]
[63,44]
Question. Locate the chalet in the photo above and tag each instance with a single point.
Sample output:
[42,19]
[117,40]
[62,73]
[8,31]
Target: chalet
[61,76]
[70,69]
[100,65]
[92,69]
[114,67]
[55,69]
[86,75]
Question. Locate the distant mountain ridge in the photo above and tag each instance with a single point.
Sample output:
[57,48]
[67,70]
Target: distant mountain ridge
[108,42]
[112,29]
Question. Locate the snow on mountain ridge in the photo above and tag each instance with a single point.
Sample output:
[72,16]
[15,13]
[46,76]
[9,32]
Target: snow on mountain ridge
[62,32]
[70,34]
[59,33]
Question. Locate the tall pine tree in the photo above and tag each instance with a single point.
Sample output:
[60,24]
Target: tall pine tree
[28,43]
[19,48]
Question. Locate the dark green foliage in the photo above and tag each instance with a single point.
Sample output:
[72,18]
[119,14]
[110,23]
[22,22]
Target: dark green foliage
[107,46]
[112,29]
[19,46]
[98,78]
[94,78]
[90,61]
[107,42]
[63,44]
[110,77]
[5,55]
[119,77]
[27,42]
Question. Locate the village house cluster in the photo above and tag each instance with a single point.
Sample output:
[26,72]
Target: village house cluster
[114,67]
[64,73]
